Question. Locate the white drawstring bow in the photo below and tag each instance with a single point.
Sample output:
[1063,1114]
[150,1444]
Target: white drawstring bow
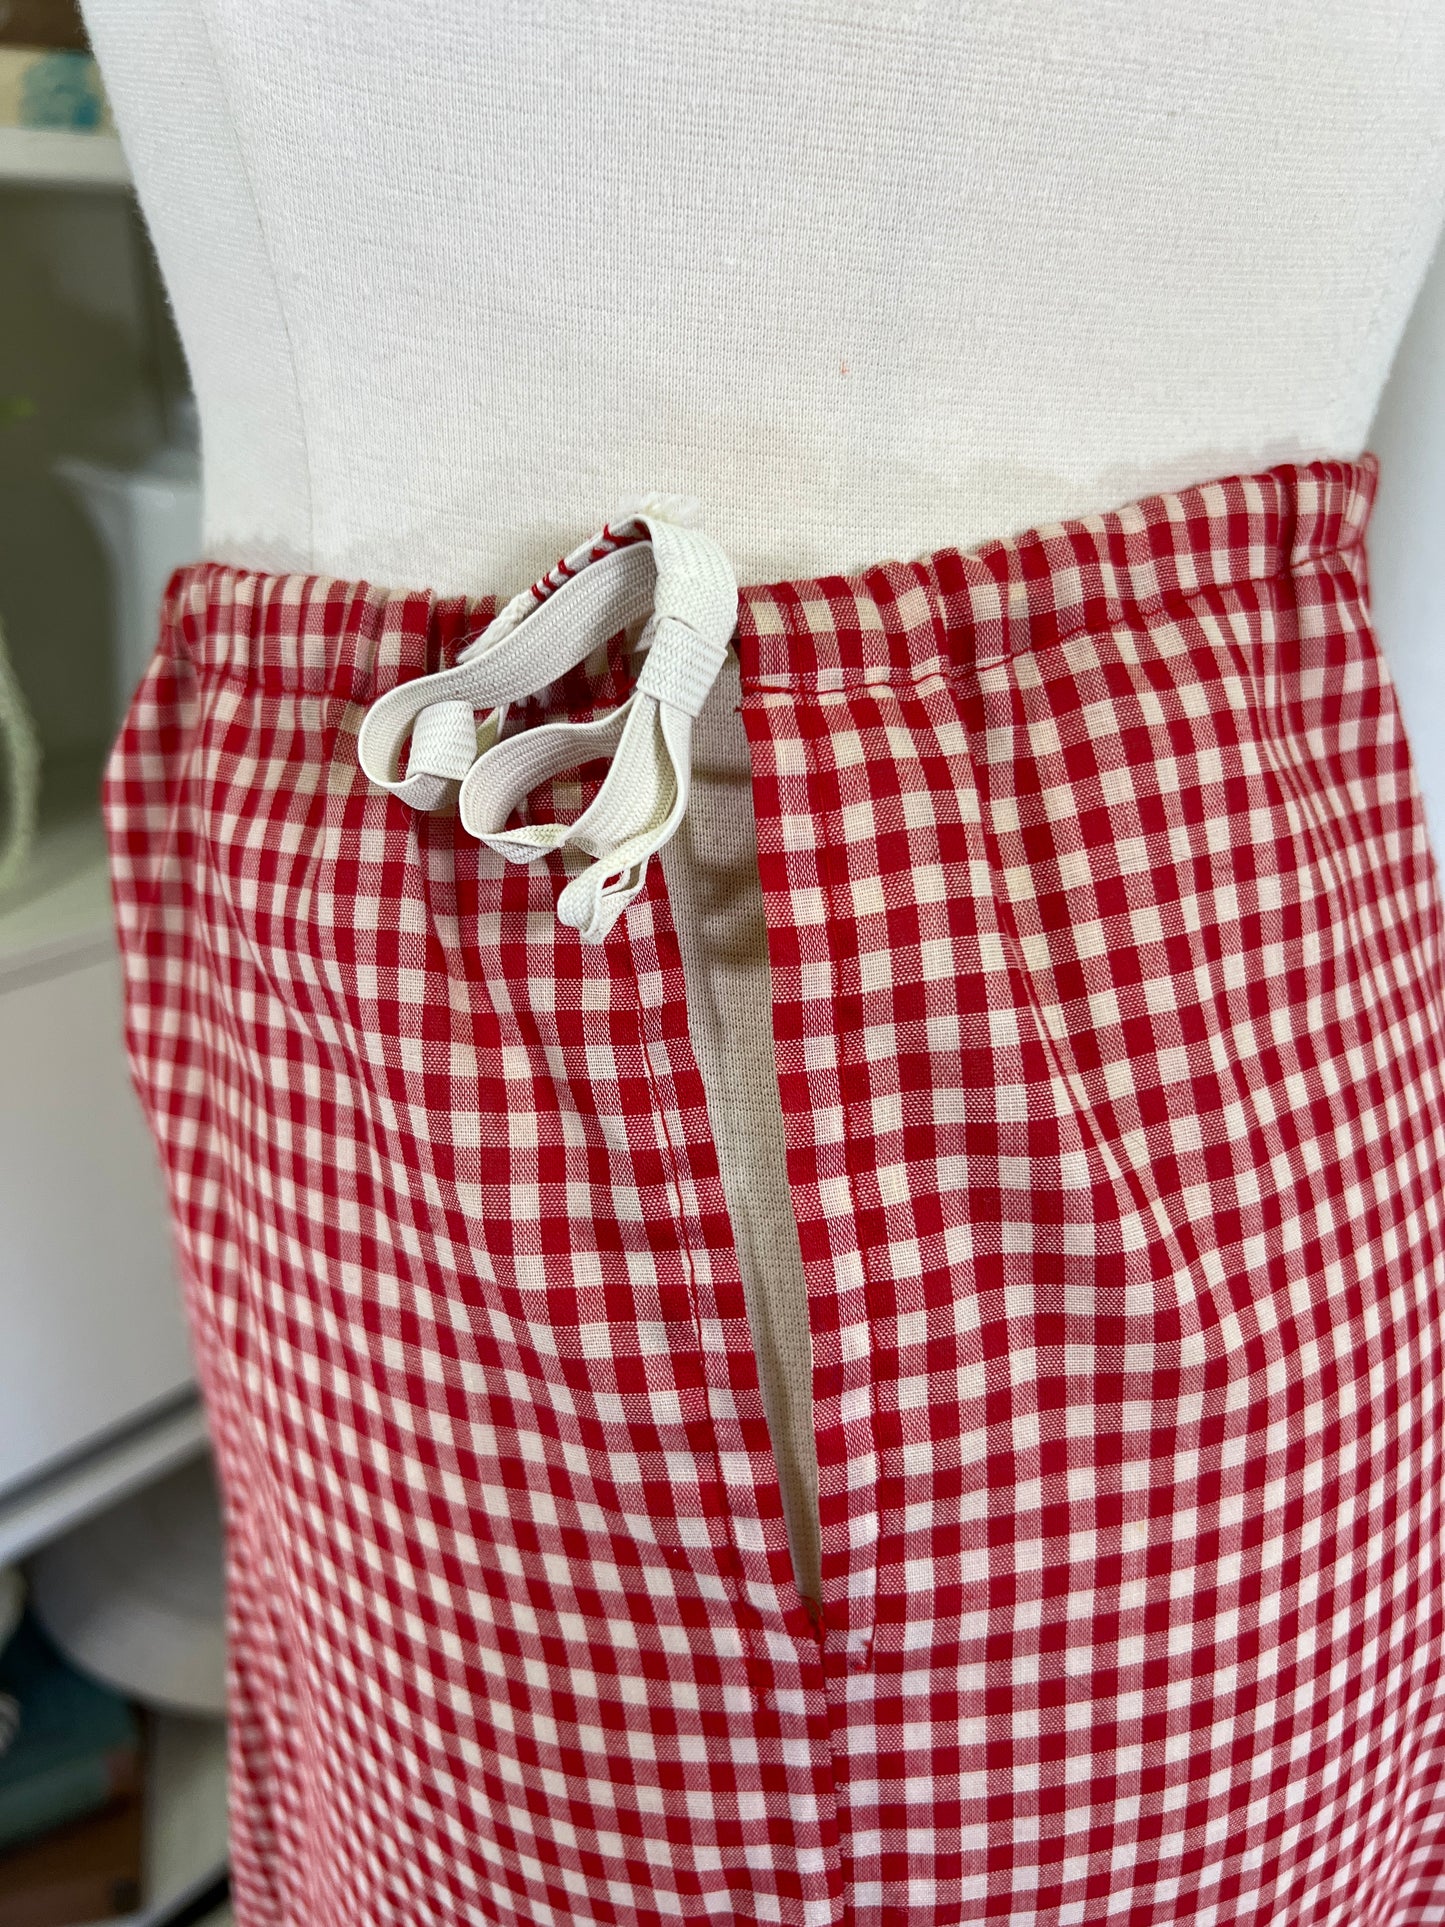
[597,590]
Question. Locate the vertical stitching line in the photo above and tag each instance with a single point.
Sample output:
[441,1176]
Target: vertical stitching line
[758,1669]
[831,850]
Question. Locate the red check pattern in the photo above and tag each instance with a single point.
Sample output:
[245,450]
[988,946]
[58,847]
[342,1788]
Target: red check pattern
[1110,1029]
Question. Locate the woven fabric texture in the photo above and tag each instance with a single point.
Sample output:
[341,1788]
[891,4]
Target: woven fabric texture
[1109,1028]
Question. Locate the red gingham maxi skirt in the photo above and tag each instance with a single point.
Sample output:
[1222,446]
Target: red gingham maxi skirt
[1109,1030]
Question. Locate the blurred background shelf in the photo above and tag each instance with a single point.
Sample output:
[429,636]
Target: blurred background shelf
[60,1499]
[100,1422]
[56,157]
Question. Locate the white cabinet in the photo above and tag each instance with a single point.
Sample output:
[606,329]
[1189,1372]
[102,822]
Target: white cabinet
[94,1361]
[91,1327]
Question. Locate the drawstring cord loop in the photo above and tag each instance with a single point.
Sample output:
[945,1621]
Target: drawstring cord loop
[653,556]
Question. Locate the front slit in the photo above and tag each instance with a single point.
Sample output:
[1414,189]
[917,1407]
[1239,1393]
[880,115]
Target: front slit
[711,874]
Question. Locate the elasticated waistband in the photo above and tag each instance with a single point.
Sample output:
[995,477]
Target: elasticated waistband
[955,609]
[1192,548]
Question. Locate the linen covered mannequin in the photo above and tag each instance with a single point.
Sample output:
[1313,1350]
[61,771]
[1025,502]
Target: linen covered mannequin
[865,279]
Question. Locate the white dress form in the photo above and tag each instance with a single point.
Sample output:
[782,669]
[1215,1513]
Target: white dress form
[866,278]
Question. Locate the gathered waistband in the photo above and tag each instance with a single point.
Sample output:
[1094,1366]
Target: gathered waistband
[947,610]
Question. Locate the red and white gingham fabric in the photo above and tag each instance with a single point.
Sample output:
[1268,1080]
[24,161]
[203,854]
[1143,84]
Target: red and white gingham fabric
[1110,1027]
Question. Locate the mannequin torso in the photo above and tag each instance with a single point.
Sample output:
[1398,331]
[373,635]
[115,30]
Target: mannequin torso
[865,279]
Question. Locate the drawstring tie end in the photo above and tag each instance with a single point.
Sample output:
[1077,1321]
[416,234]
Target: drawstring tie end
[597,591]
